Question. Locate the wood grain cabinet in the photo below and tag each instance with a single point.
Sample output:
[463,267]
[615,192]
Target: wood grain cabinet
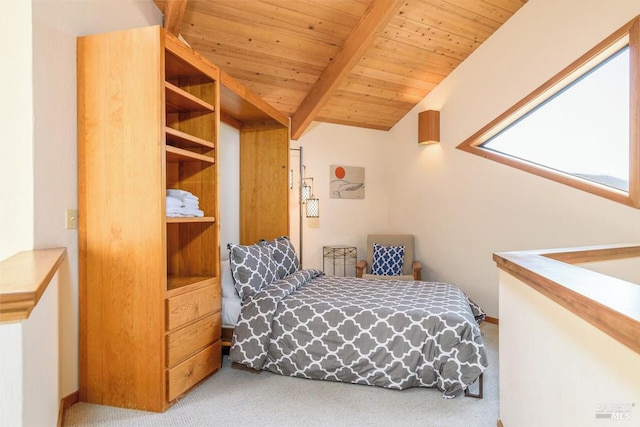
[264,182]
[148,120]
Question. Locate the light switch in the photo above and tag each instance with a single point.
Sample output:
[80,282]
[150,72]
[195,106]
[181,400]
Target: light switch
[71,221]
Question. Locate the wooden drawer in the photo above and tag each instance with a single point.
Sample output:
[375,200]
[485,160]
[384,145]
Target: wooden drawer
[186,308]
[193,370]
[183,342]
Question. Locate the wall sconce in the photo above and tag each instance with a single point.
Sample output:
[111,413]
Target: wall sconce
[429,127]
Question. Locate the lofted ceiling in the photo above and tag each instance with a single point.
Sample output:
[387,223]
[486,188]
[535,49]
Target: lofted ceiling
[360,63]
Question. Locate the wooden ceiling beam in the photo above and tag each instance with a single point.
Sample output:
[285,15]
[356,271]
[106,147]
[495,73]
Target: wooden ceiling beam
[173,13]
[358,41]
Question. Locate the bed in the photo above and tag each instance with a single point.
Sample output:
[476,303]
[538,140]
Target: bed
[387,333]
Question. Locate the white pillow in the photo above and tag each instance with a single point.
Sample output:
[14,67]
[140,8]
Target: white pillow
[228,289]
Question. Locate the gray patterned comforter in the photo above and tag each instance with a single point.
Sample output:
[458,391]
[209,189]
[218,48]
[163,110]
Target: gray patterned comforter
[391,334]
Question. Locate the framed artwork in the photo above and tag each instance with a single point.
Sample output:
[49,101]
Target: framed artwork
[346,182]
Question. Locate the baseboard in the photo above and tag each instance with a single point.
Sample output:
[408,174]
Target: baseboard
[499,423]
[66,402]
[493,320]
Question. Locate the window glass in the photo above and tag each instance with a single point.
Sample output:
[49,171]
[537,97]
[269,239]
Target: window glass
[582,130]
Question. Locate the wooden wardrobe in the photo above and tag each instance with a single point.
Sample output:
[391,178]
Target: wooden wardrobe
[150,299]
[149,110]
[264,162]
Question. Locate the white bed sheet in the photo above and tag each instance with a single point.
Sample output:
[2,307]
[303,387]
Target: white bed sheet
[230,311]
[230,299]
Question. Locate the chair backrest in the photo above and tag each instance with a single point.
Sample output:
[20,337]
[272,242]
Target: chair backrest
[392,240]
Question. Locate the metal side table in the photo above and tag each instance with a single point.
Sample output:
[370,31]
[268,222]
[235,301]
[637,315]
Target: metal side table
[336,259]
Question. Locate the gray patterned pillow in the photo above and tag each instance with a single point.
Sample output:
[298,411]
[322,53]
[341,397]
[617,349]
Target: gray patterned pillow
[252,268]
[284,256]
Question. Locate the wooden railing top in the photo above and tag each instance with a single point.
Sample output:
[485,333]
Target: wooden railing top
[610,304]
[23,279]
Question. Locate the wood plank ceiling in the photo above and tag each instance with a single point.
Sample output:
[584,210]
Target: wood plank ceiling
[362,63]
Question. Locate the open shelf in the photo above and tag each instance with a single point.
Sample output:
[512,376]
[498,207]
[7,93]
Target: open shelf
[175,154]
[189,219]
[185,140]
[180,101]
[177,67]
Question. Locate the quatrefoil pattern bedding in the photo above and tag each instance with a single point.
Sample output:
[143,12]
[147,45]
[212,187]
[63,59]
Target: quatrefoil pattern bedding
[252,267]
[385,333]
[284,255]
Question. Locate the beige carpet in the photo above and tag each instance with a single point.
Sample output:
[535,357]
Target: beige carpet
[234,397]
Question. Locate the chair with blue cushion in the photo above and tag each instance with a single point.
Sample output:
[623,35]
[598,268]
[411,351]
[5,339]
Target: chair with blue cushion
[390,256]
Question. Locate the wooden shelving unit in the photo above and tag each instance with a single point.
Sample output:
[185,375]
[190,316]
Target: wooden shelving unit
[184,140]
[150,298]
[150,294]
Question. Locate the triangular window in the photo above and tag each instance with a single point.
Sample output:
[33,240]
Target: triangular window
[581,127]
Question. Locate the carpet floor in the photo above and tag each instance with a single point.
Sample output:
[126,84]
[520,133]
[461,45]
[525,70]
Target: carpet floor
[234,397]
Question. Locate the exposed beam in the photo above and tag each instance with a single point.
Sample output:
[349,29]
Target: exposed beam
[173,13]
[364,33]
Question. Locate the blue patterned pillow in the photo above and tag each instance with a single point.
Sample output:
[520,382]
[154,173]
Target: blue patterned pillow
[284,256]
[252,268]
[387,260]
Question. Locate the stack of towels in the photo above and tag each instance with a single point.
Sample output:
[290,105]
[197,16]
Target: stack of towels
[182,203]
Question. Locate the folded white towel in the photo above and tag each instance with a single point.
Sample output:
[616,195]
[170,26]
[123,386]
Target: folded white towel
[173,202]
[184,212]
[191,204]
[177,193]
[194,212]
[182,203]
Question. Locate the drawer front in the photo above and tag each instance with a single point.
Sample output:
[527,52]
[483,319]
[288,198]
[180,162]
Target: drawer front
[183,342]
[186,308]
[193,370]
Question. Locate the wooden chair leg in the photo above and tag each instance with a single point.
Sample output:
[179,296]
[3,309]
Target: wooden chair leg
[479,394]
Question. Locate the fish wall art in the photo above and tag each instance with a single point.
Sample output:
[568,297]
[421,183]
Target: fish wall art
[346,182]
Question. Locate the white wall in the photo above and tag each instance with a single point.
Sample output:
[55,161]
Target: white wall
[229,164]
[29,382]
[40,357]
[463,208]
[56,24]
[559,370]
[16,118]
[16,186]
[11,387]
[343,221]
[55,170]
